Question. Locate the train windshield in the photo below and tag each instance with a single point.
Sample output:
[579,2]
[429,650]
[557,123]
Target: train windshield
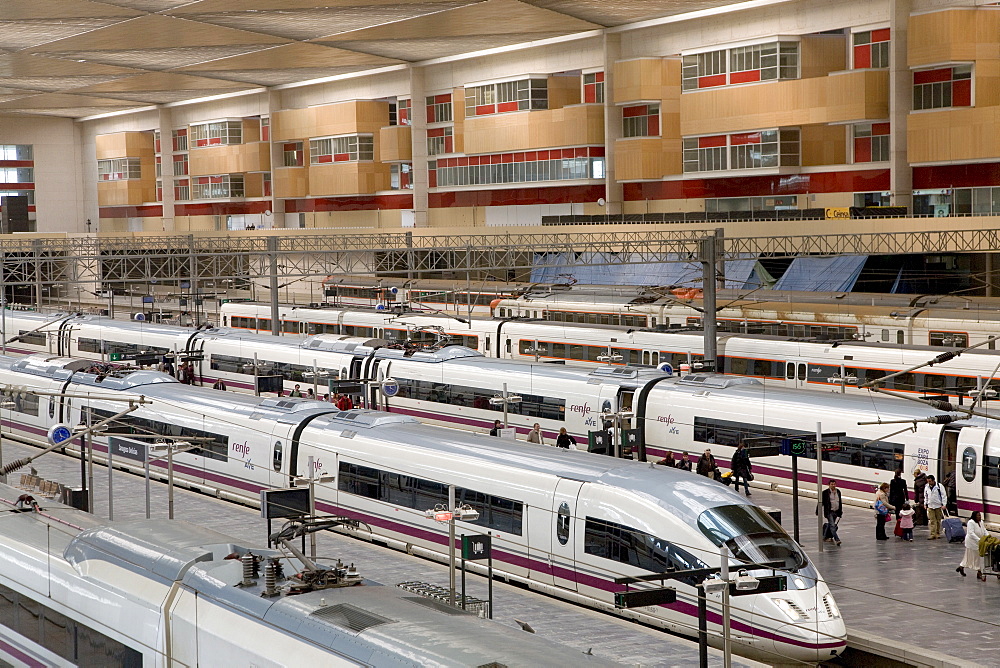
[751,535]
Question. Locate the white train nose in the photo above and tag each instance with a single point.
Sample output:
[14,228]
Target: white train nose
[794,625]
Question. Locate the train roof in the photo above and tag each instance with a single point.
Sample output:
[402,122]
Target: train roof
[367,621]
[684,493]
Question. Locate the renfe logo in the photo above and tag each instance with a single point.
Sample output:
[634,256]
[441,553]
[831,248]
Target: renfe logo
[582,409]
[242,448]
[669,419]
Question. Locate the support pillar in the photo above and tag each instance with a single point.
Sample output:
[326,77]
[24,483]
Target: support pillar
[166,125]
[418,133]
[612,124]
[277,217]
[900,103]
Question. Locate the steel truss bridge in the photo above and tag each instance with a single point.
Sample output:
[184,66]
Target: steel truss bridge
[49,265]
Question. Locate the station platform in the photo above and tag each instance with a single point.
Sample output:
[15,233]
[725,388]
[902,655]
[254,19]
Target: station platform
[577,627]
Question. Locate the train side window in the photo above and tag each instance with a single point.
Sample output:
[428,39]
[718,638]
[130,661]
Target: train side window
[899,336]
[790,371]
[969,461]
[802,372]
[562,524]
[278,455]
[885,334]
[487,345]
[508,346]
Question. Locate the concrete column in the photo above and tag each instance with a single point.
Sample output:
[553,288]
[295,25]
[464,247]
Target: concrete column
[900,103]
[167,167]
[418,125]
[612,124]
[277,158]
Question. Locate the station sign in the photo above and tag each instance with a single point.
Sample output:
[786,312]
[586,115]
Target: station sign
[644,597]
[475,548]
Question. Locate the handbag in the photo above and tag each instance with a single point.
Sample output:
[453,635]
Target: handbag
[898,530]
[880,507]
[748,477]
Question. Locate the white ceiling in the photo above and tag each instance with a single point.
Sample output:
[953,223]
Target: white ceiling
[77,58]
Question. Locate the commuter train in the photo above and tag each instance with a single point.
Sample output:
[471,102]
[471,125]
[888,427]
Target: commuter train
[936,320]
[788,361]
[76,590]
[564,522]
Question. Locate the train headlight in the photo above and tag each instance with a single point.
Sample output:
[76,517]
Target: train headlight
[794,612]
[831,607]
[800,583]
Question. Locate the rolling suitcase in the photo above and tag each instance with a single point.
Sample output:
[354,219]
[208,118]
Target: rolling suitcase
[953,529]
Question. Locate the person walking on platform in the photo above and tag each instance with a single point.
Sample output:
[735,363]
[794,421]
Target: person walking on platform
[935,500]
[535,435]
[741,469]
[898,492]
[833,510]
[497,427]
[882,510]
[564,440]
[974,531]
[685,463]
[706,464]
[919,484]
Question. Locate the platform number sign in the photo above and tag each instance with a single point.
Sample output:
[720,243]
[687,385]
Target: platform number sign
[475,548]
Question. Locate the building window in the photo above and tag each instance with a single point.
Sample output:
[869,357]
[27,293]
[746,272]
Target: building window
[439,109]
[744,150]
[976,201]
[403,112]
[267,184]
[220,133]
[440,140]
[16,152]
[521,95]
[156,141]
[159,190]
[182,189]
[119,169]
[217,187]
[179,139]
[180,164]
[871,49]
[593,88]
[641,121]
[400,176]
[871,199]
[265,129]
[705,154]
[871,142]
[744,64]
[350,148]
[565,164]
[293,154]
[432,173]
[159,167]
[30,194]
[17,175]
[943,87]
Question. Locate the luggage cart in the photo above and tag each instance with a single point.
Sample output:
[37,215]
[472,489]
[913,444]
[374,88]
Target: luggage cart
[991,562]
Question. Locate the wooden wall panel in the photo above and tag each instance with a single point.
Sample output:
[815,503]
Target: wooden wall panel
[850,96]
[290,182]
[640,158]
[232,159]
[458,114]
[251,130]
[124,145]
[395,144]
[563,91]
[640,79]
[253,185]
[578,125]
[953,35]
[824,144]
[343,118]
[987,84]
[954,134]
[125,193]
[293,124]
[348,178]
[822,54]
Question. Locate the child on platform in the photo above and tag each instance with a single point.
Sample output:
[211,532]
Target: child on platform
[906,522]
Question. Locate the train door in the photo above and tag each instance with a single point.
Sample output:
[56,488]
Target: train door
[949,452]
[970,474]
[795,373]
[565,532]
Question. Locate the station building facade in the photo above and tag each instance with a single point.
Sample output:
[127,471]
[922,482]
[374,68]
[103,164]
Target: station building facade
[795,105]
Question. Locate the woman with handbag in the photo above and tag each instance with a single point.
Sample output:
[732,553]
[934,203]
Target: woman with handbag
[882,510]
[741,468]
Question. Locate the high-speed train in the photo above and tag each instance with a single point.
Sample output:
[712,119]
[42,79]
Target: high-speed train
[76,590]
[788,361]
[564,522]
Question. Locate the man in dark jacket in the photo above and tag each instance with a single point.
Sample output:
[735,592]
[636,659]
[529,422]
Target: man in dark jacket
[833,509]
[706,465]
[741,468]
[919,483]
[898,492]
